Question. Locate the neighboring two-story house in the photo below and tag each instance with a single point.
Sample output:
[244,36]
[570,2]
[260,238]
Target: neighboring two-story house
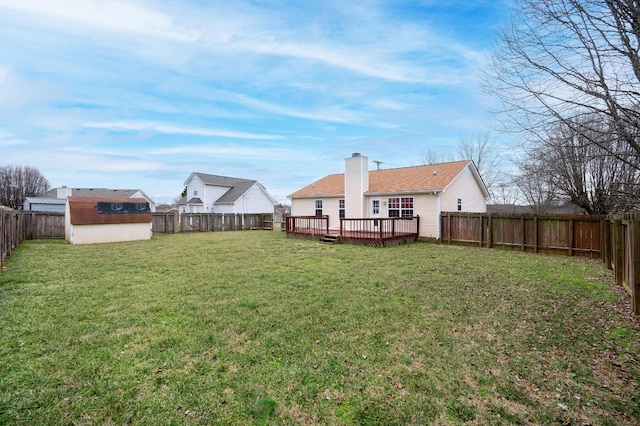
[222,194]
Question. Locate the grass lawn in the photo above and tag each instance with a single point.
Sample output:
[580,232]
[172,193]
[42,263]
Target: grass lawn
[254,328]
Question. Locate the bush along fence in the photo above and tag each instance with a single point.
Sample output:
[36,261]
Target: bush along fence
[615,239]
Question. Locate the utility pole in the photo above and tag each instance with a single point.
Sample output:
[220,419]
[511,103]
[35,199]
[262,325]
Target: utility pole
[378,162]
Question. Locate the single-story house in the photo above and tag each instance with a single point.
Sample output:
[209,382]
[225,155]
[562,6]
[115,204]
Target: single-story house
[90,220]
[64,192]
[425,191]
[44,204]
[222,194]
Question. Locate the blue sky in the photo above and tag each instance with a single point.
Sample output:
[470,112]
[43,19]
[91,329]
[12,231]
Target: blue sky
[140,93]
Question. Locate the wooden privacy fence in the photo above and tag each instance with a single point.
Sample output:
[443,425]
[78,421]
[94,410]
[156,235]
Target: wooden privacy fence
[571,235]
[16,227]
[621,253]
[209,222]
[165,223]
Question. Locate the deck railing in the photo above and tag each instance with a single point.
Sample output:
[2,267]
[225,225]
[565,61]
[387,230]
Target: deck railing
[379,229]
[312,226]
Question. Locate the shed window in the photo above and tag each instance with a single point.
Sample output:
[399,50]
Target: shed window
[400,206]
[318,207]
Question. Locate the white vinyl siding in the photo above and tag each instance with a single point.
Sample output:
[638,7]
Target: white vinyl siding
[465,188]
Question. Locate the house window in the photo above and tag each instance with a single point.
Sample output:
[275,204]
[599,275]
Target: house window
[400,206]
[318,207]
[195,192]
[341,209]
[459,204]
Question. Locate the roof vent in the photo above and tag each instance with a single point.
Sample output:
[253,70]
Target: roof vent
[355,154]
[435,173]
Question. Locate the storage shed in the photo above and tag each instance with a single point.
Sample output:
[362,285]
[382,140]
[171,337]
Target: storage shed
[90,220]
[44,204]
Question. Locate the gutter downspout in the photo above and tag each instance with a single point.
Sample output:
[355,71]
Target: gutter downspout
[438,216]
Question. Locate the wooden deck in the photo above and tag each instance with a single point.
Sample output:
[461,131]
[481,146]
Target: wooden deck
[373,232]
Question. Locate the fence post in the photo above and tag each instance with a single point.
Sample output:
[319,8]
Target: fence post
[535,234]
[571,232]
[633,242]
[522,230]
[617,251]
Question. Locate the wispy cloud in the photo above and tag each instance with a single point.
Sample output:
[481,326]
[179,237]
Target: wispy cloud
[176,130]
[281,90]
[279,154]
[115,16]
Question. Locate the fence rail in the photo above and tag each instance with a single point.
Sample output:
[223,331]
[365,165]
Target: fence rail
[307,226]
[379,231]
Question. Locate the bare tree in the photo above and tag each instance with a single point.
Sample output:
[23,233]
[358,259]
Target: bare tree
[587,173]
[568,166]
[482,150]
[433,157]
[558,61]
[507,191]
[536,185]
[19,182]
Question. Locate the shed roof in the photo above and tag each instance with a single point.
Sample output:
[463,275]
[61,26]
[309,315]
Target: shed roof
[84,211]
[432,177]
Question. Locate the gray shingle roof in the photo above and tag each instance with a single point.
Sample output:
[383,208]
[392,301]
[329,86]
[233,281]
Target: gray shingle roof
[237,187]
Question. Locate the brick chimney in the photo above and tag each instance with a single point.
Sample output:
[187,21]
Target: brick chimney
[356,183]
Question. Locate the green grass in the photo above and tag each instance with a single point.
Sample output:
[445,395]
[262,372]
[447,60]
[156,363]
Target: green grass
[254,328]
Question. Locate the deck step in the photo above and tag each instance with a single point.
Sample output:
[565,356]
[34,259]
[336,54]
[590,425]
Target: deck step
[330,239]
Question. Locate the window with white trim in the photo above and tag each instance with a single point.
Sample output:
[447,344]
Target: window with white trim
[400,206]
[318,207]
[341,205]
[459,204]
